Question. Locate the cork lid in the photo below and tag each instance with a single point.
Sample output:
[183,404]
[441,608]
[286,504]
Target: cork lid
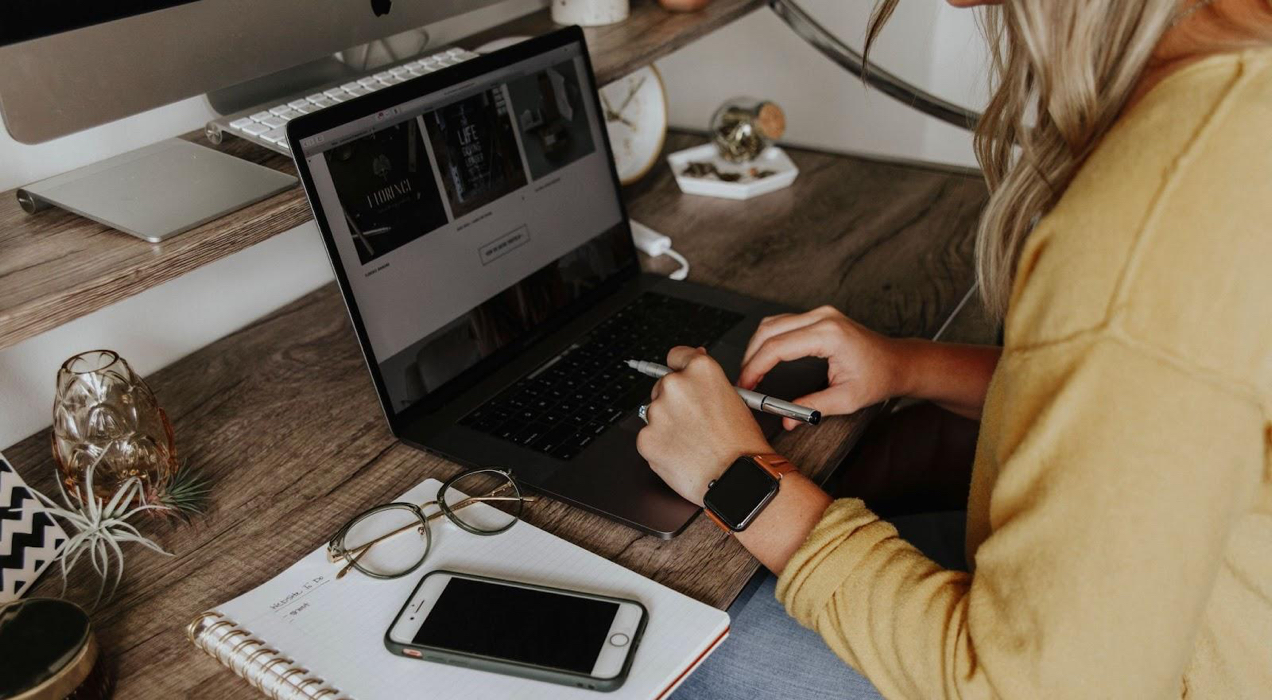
[771,120]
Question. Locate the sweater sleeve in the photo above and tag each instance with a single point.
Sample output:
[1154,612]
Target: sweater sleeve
[1120,475]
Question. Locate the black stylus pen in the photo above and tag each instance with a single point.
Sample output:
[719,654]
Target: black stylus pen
[754,399]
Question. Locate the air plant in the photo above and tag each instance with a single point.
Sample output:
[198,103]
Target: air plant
[100,528]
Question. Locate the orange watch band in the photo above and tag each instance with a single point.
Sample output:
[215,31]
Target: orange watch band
[776,465]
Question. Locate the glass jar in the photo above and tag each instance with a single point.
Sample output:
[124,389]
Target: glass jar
[743,127]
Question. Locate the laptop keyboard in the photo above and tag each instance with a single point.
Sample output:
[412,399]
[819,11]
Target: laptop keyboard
[569,401]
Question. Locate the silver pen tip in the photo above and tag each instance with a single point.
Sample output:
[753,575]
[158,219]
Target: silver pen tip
[632,363]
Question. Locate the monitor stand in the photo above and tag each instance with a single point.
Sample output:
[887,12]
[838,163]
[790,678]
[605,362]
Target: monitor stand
[158,191]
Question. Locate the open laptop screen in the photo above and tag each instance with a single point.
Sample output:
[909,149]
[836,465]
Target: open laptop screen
[468,219]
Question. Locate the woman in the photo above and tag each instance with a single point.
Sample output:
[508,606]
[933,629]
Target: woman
[1119,524]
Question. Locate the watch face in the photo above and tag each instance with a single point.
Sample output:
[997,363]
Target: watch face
[740,493]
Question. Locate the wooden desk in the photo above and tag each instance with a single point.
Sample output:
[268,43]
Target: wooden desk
[282,416]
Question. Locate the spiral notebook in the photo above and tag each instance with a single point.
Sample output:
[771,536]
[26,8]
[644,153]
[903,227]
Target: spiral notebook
[305,634]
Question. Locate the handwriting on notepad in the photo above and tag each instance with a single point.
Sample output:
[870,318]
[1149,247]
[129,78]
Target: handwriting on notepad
[306,587]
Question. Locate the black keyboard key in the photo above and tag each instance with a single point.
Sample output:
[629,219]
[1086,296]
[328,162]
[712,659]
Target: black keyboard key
[530,433]
[610,415]
[510,430]
[566,452]
[553,438]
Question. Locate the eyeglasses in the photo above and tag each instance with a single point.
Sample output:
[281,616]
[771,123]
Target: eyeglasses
[393,539]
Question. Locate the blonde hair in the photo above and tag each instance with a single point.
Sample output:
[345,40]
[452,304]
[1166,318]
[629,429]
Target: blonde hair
[1062,71]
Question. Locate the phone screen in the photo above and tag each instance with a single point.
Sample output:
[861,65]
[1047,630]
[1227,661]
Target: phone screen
[518,624]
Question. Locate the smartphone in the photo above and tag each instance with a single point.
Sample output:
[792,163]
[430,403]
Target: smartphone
[519,629]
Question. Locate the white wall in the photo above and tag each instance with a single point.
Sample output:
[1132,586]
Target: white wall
[926,41]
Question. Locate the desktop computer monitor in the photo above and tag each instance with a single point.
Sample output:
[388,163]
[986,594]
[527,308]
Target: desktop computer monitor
[67,65]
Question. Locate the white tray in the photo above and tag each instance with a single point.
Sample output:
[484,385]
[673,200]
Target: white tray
[773,158]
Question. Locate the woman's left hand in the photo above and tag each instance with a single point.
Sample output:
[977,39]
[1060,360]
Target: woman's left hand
[697,424]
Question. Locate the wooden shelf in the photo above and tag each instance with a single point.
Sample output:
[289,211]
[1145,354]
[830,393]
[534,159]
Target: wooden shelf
[282,417]
[56,266]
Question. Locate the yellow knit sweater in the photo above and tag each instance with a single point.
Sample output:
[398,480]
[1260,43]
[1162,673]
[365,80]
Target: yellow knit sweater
[1120,518]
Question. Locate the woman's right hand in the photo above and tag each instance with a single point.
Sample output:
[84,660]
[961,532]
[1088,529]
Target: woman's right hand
[865,367]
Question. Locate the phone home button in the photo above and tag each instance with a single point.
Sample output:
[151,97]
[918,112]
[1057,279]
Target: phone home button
[620,640]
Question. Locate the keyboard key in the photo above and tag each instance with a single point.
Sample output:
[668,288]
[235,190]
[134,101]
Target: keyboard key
[341,97]
[290,114]
[255,129]
[273,122]
[307,108]
[324,102]
[275,135]
[382,75]
[530,433]
[359,91]
[398,71]
[316,97]
[553,439]
[279,109]
[260,115]
[240,123]
[348,86]
[297,104]
[333,92]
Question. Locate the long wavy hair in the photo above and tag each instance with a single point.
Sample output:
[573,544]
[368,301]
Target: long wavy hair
[1061,72]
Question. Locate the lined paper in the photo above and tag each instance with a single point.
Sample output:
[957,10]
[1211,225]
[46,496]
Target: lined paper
[335,628]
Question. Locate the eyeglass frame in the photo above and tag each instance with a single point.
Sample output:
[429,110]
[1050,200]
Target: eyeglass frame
[337,554]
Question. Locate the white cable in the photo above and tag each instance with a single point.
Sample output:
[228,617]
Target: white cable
[954,314]
[653,244]
[683,272]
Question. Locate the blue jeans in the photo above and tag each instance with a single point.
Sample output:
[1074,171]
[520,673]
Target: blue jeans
[770,655]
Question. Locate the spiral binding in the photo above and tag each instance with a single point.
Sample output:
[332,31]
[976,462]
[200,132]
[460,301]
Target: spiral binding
[262,666]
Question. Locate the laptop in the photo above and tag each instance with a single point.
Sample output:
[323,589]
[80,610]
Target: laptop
[474,221]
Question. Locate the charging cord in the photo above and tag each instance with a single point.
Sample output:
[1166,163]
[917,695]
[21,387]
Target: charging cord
[653,244]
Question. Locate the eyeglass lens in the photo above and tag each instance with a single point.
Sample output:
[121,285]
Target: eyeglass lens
[401,541]
[484,502]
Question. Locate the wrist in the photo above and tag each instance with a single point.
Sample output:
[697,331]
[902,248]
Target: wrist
[906,367]
[750,447]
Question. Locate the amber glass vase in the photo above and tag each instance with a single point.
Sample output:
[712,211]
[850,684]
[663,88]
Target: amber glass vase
[104,409]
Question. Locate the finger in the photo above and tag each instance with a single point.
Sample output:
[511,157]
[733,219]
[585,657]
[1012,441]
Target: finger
[679,356]
[803,342]
[782,323]
[832,401]
[656,390]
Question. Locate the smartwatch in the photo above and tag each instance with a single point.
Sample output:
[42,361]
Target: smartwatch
[737,498]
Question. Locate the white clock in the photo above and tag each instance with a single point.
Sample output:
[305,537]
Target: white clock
[635,111]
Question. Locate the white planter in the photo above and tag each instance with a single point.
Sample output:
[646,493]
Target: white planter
[589,13]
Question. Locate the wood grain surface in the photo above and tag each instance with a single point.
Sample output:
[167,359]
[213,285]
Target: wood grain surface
[282,415]
[56,266]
